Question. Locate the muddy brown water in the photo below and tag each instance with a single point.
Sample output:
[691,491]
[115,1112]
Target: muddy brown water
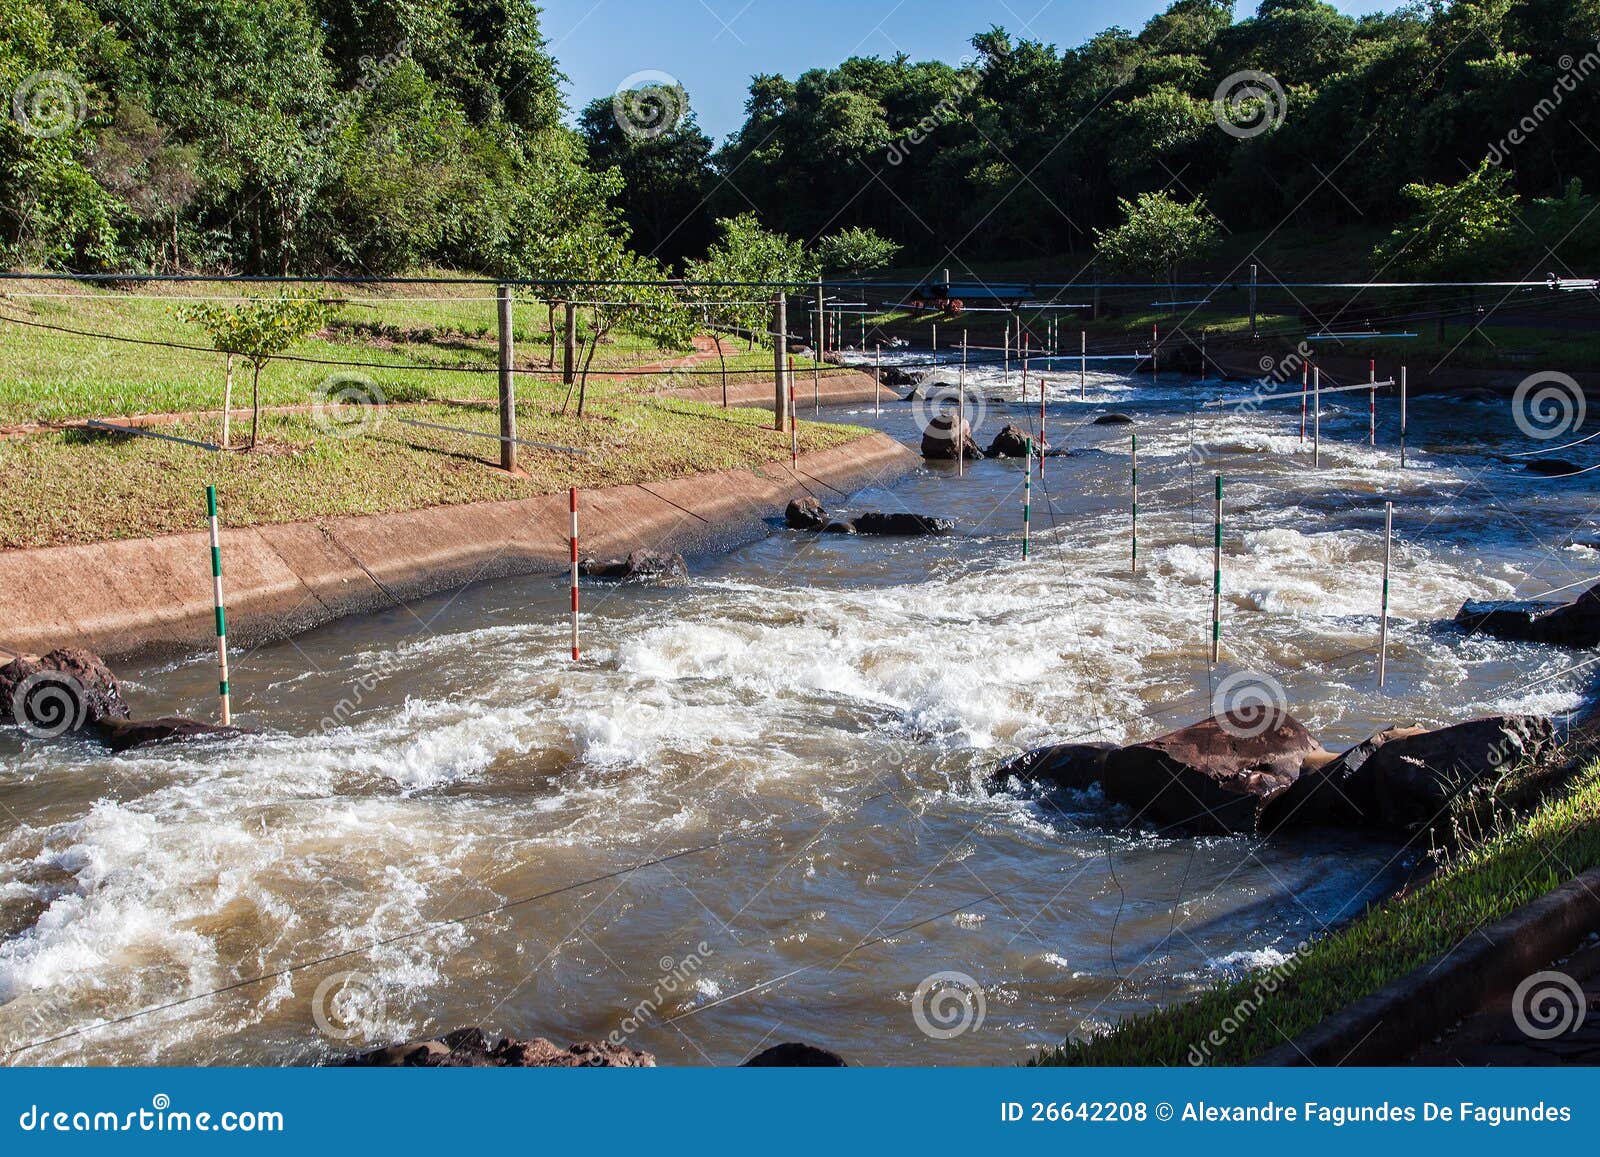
[755,811]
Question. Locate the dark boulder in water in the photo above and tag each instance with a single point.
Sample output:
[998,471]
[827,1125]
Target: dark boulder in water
[896,376]
[1331,792]
[1113,420]
[1075,766]
[1574,624]
[901,524]
[940,441]
[1012,442]
[795,1055]
[60,692]
[805,514]
[1552,467]
[127,734]
[639,566]
[838,526]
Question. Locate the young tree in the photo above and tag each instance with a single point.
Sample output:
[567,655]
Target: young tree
[1157,234]
[855,250]
[258,331]
[1453,228]
[649,308]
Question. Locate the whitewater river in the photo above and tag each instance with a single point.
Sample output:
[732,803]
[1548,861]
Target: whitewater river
[805,729]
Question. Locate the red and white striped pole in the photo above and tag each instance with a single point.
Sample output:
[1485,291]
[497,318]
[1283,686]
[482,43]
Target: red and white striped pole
[574,497]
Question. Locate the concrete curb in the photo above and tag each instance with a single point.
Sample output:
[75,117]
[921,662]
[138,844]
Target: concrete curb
[1390,1024]
[142,596]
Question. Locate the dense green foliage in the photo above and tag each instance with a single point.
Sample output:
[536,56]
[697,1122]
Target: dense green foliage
[380,135]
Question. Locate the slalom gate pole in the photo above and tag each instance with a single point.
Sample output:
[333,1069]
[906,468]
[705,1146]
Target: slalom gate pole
[1155,342]
[1083,364]
[1027,502]
[1216,585]
[1372,403]
[223,696]
[1402,417]
[877,361]
[1305,387]
[1316,417]
[1043,441]
[1383,618]
[573,496]
[1133,560]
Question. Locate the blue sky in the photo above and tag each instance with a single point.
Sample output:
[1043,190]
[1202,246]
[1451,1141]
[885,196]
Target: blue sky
[713,47]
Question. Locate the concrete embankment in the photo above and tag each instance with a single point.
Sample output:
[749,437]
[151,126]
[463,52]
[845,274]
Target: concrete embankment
[153,595]
[1276,360]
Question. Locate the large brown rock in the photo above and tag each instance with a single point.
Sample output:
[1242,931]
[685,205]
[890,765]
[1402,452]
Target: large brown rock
[1413,779]
[126,734]
[1013,441]
[59,693]
[943,437]
[1574,624]
[471,1048]
[639,566]
[805,514]
[1331,790]
[1212,775]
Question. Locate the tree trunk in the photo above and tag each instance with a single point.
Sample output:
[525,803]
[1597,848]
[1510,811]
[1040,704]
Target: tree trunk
[583,377]
[550,316]
[227,404]
[255,401]
[723,362]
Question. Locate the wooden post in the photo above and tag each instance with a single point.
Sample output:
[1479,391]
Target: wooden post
[1133,561]
[1253,333]
[508,386]
[794,421]
[1402,417]
[1216,587]
[569,346]
[1383,619]
[780,341]
[223,697]
[573,538]
[1316,416]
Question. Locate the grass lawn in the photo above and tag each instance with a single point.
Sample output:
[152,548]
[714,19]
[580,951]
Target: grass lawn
[1559,839]
[49,375]
[76,486]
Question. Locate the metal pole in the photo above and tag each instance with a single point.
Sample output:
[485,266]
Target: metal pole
[1083,364]
[1402,417]
[1372,403]
[877,369]
[573,496]
[780,326]
[508,385]
[794,421]
[1005,365]
[1155,344]
[1133,562]
[1027,349]
[1305,389]
[1216,588]
[935,343]
[1253,333]
[1316,417]
[1043,441]
[816,368]
[1383,620]
[1027,502]
[216,601]
[1202,376]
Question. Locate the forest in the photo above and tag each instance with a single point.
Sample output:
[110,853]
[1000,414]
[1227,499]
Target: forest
[379,136]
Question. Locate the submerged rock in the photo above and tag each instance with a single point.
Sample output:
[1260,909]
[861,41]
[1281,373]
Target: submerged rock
[896,376]
[1552,467]
[639,566]
[60,692]
[471,1048]
[1075,766]
[874,522]
[795,1055]
[1012,442]
[1113,420]
[805,514]
[839,527]
[1212,775]
[126,735]
[940,441]
[1574,624]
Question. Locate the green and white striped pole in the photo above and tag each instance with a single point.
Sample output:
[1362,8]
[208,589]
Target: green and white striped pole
[1216,588]
[1027,499]
[1134,560]
[216,597]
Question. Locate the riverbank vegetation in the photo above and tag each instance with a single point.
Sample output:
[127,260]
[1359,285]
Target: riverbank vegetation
[1533,832]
